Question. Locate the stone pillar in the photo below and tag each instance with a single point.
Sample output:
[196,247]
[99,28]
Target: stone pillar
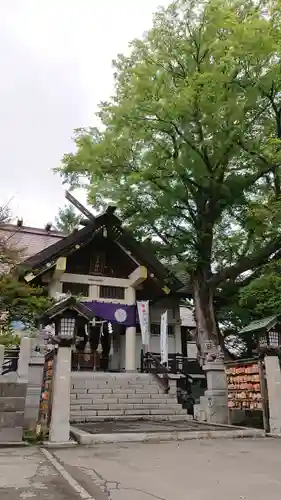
[35,377]
[2,352]
[273,378]
[24,357]
[59,428]
[130,349]
[215,399]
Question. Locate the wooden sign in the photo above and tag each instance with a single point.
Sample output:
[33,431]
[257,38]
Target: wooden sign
[245,385]
[247,389]
[45,408]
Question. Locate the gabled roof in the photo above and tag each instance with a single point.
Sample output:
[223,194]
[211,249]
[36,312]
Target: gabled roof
[260,324]
[61,306]
[116,232]
[65,245]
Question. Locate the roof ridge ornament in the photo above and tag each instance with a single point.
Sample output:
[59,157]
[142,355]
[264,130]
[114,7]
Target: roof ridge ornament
[79,206]
[89,216]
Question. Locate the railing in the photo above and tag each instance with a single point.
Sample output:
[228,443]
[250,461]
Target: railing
[152,364]
[177,364]
[10,363]
[189,370]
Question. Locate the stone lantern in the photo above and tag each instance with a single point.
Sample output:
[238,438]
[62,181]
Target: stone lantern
[267,332]
[65,315]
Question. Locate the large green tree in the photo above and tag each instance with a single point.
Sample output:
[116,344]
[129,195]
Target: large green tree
[189,146]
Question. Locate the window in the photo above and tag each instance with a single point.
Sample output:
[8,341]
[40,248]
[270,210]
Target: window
[112,292]
[76,289]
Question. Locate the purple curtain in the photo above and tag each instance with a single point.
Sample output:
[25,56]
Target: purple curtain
[115,313]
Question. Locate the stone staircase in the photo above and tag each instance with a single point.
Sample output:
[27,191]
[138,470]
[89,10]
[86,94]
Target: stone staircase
[122,396]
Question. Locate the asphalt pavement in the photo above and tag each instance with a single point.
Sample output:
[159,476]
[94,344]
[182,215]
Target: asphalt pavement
[25,473]
[214,469]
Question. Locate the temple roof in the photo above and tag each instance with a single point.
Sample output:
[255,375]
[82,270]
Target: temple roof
[261,324]
[110,224]
[67,303]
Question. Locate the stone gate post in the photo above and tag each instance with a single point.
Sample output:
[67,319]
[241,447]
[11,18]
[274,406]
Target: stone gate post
[60,426]
[273,378]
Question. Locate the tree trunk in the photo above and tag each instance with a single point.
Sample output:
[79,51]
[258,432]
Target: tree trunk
[207,332]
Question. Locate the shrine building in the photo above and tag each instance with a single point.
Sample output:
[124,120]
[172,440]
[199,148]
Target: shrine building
[109,271]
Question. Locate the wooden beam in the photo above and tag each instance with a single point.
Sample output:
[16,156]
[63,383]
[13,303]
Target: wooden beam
[60,268]
[29,277]
[138,276]
[79,206]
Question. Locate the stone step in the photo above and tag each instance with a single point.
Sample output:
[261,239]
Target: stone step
[115,383]
[130,389]
[124,402]
[123,397]
[89,412]
[155,418]
[79,384]
[100,383]
[109,376]
[105,406]
[121,393]
[132,397]
[140,387]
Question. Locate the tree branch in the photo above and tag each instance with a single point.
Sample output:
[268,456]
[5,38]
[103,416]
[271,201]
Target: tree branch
[253,153]
[247,263]
[184,138]
[200,132]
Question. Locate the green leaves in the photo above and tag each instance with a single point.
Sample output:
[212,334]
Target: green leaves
[21,301]
[67,219]
[189,144]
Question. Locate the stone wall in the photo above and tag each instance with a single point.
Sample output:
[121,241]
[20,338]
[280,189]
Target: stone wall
[12,404]
[20,393]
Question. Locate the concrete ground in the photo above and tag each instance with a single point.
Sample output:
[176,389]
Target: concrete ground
[26,474]
[215,469]
[240,469]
